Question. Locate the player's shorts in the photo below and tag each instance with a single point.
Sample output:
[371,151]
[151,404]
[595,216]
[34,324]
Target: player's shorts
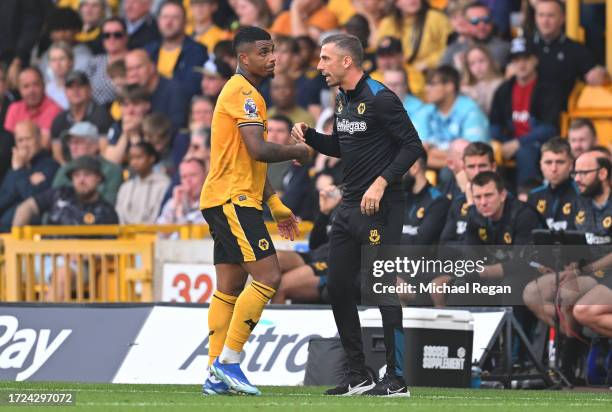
[239,233]
[318,260]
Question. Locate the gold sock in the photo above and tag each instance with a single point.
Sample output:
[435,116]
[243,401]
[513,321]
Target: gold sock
[219,317]
[248,309]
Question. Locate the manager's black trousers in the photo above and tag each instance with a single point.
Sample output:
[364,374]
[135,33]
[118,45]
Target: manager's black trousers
[350,231]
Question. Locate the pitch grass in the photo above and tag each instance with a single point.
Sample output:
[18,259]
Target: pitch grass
[187,398]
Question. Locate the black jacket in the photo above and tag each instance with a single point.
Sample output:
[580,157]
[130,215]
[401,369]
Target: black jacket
[556,205]
[192,55]
[374,137]
[21,23]
[145,34]
[544,113]
[453,232]
[424,216]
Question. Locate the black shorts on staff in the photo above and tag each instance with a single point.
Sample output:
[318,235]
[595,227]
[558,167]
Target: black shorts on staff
[239,233]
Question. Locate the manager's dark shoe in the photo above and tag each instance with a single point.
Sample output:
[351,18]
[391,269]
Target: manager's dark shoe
[353,384]
[389,385]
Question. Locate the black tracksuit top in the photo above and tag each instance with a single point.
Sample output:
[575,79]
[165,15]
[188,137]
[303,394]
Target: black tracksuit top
[374,137]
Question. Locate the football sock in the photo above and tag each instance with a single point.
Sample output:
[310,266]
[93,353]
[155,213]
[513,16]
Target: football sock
[219,318]
[247,311]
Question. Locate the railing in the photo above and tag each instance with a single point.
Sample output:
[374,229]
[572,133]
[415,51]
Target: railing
[92,270]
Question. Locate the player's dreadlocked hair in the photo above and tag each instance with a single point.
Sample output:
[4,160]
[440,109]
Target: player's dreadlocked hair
[249,34]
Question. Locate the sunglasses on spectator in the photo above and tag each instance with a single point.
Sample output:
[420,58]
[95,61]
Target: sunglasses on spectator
[484,19]
[113,34]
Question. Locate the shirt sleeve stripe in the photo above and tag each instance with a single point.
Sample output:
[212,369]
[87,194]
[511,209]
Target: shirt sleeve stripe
[251,124]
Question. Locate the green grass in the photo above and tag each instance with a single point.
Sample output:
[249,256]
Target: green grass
[186,398]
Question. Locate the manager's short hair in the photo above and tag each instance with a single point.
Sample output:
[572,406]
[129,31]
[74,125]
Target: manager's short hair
[348,43]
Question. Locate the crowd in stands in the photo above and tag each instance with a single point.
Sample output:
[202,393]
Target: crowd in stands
[106,108]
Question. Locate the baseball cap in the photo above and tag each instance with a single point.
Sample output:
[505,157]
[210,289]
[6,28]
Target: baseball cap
[77,76]
[520,47]
[389,45]
[215,68]
[84,129]
[84,163]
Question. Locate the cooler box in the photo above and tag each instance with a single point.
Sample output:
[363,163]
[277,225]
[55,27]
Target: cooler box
[438,345]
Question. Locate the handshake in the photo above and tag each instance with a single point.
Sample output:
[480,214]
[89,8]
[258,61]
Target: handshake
[298,136]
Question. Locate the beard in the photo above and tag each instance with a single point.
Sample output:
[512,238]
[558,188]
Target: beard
[593,190]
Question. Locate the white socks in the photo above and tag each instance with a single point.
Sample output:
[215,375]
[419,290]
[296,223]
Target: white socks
[229,356]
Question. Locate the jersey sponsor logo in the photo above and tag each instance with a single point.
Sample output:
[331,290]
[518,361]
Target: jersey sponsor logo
[593,239]
[420,213]
[361,108]
[556,225]
[410,230]
[250,108]
[263,244]
[580,217]
[351,127]
[374,237]
[461,226]
[607,222]
[567,208]
[541,206]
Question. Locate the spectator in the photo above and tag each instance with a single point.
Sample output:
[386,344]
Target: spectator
[167,95]
[373,10]
[457,19]
[32,170]
[176,55]
[214,76]
[397,81]
[282,91]
[581,136]
[295,189]
[305,18]
[92,14]
[480,32]
[556,51]
[135,104]
[481,77]
[80,204]
[157,130]
[202,108]
[525,112]
[6,97]
[63,25]
[184,206]
[309,84]
[447,177]
[448,116]
[422,30]
[60,64]
[114,43]
[81,109]
[141,25]
[205,31]
[253,13]
[21,22]
[224,50]
[34,105]
[83,140]
[389,56]
[358,27]
[139,199]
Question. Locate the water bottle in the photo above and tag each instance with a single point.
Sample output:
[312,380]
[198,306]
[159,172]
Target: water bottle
[476,376]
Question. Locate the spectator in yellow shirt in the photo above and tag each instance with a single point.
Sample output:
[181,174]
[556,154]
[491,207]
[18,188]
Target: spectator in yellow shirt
[204,30]
[423,31]
[305,18]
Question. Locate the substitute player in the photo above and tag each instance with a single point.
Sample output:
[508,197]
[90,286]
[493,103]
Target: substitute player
[378,144]
[231,202]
